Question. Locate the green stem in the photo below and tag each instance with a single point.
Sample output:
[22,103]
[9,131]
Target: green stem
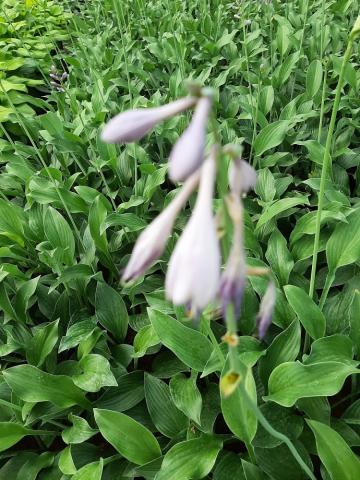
[323,96]
[328,282]
[210,333]
[326,166]
[255,123]
[231,330]
[263,421]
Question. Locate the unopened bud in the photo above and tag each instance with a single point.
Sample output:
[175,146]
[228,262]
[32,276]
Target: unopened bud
[228,383]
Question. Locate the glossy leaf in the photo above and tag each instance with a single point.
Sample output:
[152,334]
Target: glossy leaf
[135,442]
[189,345]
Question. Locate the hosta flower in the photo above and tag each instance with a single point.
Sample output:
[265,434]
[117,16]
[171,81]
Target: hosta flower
[266,309]
[132,125]
[151,243]
[188,152]
[233,279]
[242,177]
[194,269]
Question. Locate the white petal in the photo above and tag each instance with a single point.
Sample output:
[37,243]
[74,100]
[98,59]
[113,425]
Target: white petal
[188,152]
[132,125]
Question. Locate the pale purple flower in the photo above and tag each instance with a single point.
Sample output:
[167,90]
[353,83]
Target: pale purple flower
[194,270]
[242,176]
[151,243]
[188,152]
[233,279]
[132,125]
[267,306]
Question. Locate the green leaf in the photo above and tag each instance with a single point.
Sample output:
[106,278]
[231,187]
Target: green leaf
[309,313]
[280,464]
[343,246]
[111,311]
[11,433]
[336,348]
[131,439]
[97,219]
[79,432]
[271,136]
[240,420]
[280,206]
[11,221]
[33,385]
[25,292]
[190,346]
[335,454]
[144,339]
[293,380]
[77,333]
[66,462]
[168,419]
[186,396]
[314,78]
[279,257]
[191,459]
[42,343]
[92,471]
[60,236]
[95,373]
[284,348]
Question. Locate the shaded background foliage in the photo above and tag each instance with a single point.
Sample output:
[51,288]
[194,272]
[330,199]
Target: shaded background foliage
[84,358]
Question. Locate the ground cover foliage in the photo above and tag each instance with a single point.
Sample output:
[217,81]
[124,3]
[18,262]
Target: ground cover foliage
[105,381]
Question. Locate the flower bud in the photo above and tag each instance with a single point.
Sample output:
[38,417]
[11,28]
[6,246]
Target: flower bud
[242,177]
[194,269]
[151,243]
[188,152]
[233,279]
[229,383]
[266,309]
[132,125]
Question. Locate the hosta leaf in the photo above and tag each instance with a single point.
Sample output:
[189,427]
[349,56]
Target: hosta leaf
[144,339]
[271,136]
[335,454]
[42,343]
[238,417]
[60,236]
[278,207]
[293,380]
[111,311]
[33,385]
[186,396]
[336,348]
[11,433]
[191,459]
[343,246]
[191,346]
[79,432]
[284,348]
[168,419]
[92,471]
[314,78]
[309,313]
[131,439]
[95,373]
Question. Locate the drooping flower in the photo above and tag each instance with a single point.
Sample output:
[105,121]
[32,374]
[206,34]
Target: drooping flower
[132,125]
[242,177]
[233,279]
[188,152]
[266,309]
[151,243]
[194,269]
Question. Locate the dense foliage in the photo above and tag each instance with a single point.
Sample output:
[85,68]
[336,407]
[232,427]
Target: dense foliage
[101,380]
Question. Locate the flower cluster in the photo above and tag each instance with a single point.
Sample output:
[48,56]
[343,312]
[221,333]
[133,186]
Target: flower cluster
[58,79]
[194,277]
